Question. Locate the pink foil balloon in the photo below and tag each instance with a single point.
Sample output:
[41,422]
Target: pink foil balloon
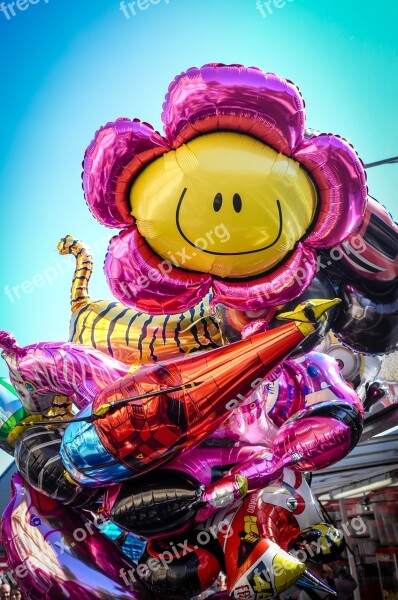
[213,98]
[40,371]
[53,553]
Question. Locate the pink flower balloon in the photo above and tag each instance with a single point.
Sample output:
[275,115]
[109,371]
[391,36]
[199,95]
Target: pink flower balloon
[220,98]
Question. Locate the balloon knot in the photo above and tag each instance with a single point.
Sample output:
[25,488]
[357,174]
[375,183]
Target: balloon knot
[8,342]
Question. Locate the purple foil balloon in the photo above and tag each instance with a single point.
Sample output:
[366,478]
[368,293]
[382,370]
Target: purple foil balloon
[55,554]
[295,385]
[41,371]
[130,266]
[320,418]
[201,462]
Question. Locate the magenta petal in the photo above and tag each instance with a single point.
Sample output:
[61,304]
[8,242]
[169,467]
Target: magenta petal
[282,285]
[118,151]
[341,182]
[139,278]
[234,97]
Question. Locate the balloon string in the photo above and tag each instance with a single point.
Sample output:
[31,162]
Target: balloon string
[105,408]
[385,161]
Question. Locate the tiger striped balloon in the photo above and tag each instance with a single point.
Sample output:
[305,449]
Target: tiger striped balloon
[129,335]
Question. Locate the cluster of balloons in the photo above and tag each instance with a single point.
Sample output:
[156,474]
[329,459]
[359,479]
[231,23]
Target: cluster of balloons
[169,439]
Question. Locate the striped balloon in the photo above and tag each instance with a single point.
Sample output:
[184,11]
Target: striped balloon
[42,371]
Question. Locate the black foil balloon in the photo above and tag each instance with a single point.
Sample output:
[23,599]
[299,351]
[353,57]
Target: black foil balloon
[368,321]
[38,461]
[156,503]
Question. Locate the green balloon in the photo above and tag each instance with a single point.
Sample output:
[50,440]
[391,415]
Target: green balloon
[11,413]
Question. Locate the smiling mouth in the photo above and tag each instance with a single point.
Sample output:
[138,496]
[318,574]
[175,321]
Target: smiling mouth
[278,204]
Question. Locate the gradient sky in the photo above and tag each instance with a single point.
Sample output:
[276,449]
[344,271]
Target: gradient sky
[70,66]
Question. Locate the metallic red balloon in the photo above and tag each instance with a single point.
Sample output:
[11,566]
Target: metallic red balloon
[144,434]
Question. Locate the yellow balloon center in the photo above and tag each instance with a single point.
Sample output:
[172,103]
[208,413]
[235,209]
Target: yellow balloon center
[224,203]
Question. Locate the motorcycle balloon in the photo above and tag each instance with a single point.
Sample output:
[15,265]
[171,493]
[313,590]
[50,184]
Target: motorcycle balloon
[367,321]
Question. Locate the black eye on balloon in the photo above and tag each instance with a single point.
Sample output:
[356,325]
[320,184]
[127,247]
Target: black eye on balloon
[217,202]
[237,202]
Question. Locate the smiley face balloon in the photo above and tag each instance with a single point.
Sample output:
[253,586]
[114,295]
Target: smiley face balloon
[235,205]
[236,196]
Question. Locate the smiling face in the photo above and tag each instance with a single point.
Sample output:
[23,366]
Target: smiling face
[224,203]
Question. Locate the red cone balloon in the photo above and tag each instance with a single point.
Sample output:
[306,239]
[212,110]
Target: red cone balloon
[144,433]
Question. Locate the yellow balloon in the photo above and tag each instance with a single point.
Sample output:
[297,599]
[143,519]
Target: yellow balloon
[224,203]
[61,410]
[126,334]
[135,338]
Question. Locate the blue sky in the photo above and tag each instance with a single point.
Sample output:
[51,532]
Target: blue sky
[70,66]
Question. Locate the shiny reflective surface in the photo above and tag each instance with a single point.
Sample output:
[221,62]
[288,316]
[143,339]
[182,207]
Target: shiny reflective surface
[214,98]
[142,434]
[11,413]
[40,372]
[126,334]
[368,320]
[173,203]
[55,554]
